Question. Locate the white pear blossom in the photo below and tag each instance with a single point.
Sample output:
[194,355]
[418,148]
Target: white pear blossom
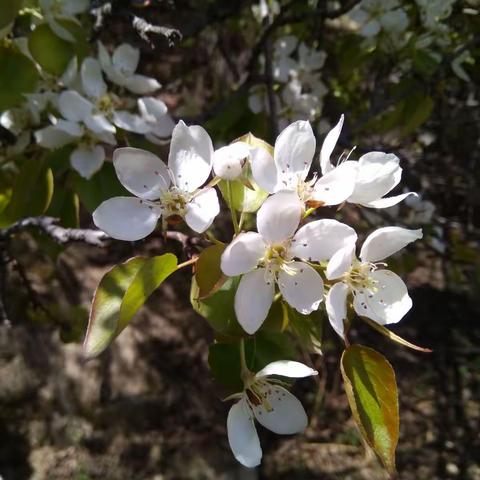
[378,294]
[267,258]
[170,192]
[158,123]
[289,167]
[121,66]
[377,174]
[271,404]
[88,156]
[56,10]
[375,16]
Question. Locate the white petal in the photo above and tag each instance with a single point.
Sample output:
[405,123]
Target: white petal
[228,161]
[87,161]
[321,239]
[264,170]
[287,368]
[242,435]
[279,216]
[328,146]
[253,300]
[336,185]
[99,124]
[70,73]
[388,201]
[53,137]
[152,107]
[378,173]
[388,303]
[386,241]
[72,128]
[191,156]
[301,287]
[125,58]
[141,85]
[202,210]
[59,29]
[92,78]
[336,303]
[140,172]
[294,150]
[130,122]
[243,254]
[104,57]
[73,106]
[287,415]
[163,127]
[340,262]
[126,218]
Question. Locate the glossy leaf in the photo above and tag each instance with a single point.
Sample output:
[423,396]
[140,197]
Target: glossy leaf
[32,191]
[208,274]
[372,394]
[150,276]
[121,292]
[53,53]
[18,75]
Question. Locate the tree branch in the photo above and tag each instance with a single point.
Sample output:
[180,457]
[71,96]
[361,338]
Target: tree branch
[59,234]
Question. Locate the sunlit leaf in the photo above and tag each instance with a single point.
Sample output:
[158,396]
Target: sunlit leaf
[150,276]
[372,394]
[121,292]
[54,53]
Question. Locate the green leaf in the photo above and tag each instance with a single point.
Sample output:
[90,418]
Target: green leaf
[208,274]
[372,394]
[308,329]
[224,358]
[245,194]
[54,53]
[103,185]
[65,206]
[18,75]
[32,191]
[150,276]
[394,337]
[416,110]
[218,309]
[121,292]
[8,11]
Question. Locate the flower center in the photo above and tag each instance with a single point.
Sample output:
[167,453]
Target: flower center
[359,277]
[258,390]
[277,258]
[174,202]
[105,104]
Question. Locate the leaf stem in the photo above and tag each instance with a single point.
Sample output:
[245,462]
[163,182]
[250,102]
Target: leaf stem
[244,371]
[233,213]
[187,263]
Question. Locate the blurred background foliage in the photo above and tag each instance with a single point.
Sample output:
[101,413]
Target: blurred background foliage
[405,73]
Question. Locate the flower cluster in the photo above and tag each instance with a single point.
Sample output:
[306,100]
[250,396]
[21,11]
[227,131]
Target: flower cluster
[296,69]
[90,103]
[303,263]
